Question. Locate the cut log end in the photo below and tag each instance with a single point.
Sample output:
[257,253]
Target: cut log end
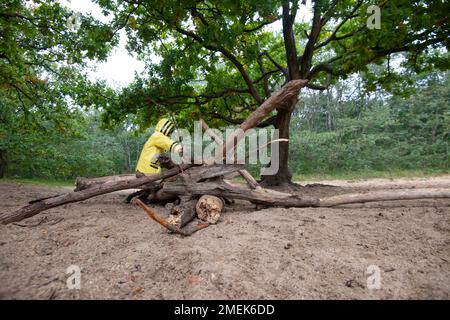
[208,208]
[182,214]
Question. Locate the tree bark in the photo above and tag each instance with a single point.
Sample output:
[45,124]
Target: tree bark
[182,214]
[284,175]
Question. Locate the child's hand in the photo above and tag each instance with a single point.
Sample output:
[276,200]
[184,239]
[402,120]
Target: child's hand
[178,148]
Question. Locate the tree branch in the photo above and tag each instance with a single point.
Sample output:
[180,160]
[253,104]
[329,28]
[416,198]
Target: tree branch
[306,60]
[276,64]
[259,26]
[228,54]
[339,26]
[264,76]
[289,41]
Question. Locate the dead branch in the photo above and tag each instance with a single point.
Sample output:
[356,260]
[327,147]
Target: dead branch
[244,173]
[236,191]
[182,214]
[384,196]
[154,216]
[276,100]
[85,183]
[34,208]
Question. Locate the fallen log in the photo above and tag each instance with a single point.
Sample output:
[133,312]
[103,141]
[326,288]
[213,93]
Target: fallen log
[107,187]
[208,208]
[200,173]
[186,231]
[384,196]
[182,214]
[194,174]
[82,183]
[230,190]
[280,199]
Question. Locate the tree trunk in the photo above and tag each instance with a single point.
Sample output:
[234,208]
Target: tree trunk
[284,175]
[3,163]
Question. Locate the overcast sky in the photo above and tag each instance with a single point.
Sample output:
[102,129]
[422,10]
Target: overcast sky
[120,67]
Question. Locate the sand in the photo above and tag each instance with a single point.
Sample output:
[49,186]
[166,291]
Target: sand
[273,253]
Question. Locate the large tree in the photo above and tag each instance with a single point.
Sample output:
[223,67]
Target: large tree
[220,59]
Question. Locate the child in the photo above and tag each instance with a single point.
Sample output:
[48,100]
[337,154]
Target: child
[158,143]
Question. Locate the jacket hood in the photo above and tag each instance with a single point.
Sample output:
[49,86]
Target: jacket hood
[165,126]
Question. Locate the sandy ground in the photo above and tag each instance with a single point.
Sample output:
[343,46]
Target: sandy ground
[272,253]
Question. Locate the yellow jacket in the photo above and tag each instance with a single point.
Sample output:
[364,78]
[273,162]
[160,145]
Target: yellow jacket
[159,142]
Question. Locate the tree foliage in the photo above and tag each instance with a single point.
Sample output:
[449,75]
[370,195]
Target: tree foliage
[345,133]
[219,58]
[43,71]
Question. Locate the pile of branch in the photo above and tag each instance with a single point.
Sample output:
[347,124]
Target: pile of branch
[203,189]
